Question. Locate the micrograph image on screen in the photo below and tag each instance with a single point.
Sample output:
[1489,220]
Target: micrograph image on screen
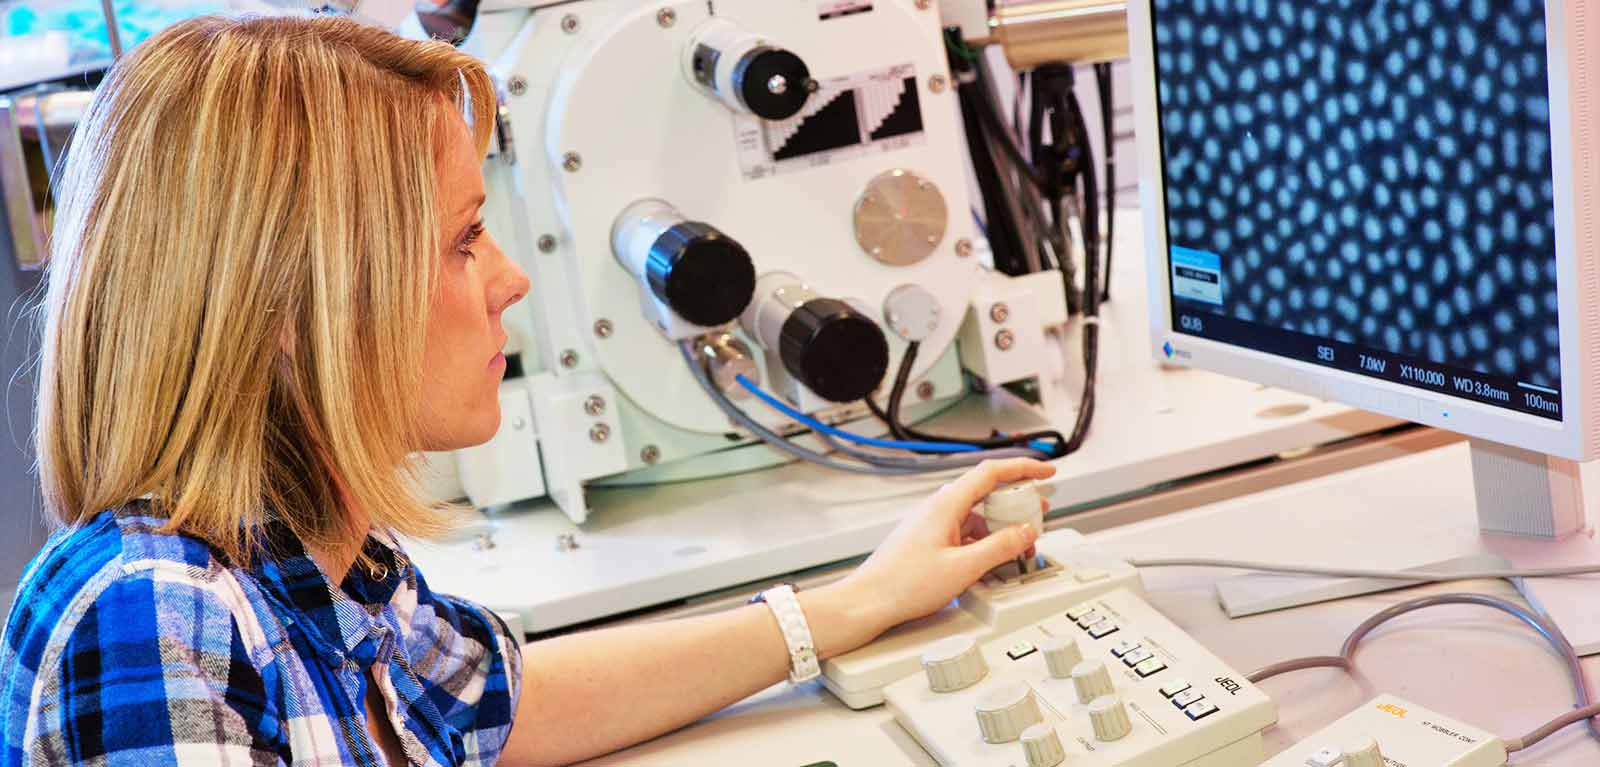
[1371,172]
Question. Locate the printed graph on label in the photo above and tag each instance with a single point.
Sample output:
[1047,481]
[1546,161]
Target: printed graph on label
[876,111]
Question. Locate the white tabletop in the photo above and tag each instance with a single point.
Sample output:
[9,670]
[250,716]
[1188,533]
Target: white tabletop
[1471,663]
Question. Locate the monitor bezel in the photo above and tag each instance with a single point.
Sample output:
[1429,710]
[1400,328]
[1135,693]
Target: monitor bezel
[1575,180]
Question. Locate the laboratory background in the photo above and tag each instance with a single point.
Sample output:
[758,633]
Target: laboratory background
[1298,296]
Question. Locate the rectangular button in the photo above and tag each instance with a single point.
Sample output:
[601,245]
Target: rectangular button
[1089,619]
[1174,688]
[1200,710]
[1330,756]
[1137,656]
[1080,611]
[1021,650]
[1150,667]
[1124,647]
[1102,629]
[1187,698]
[1091,575]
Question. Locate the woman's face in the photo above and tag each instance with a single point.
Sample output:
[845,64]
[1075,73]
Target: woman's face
[462,360]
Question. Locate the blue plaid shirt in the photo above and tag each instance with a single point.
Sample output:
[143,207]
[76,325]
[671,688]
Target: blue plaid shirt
[129,646]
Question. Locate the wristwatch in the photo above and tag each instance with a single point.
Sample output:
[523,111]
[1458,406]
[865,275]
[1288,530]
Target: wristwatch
[791,619]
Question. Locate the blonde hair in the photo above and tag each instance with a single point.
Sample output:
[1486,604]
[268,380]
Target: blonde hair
[239,278]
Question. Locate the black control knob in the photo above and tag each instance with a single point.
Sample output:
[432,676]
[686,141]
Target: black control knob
[834,350]
[772,83]
[700,273]
[747,72]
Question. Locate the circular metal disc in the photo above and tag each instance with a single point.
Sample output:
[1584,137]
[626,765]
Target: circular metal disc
[900,218]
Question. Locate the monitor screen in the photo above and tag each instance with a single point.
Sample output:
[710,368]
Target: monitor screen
[1365,185]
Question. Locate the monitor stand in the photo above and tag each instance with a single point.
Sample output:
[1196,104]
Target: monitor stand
[1532,513]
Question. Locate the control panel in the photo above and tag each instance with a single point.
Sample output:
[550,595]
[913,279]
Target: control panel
[1389,732]
[1106,681]
[1067,571]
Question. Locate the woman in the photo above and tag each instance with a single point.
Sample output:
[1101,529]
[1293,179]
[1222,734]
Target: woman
[268,287]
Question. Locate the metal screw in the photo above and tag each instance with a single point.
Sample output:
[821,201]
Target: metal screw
[569,23]
[650,454]
[566,542]
[599,432]
[547,243]
[518,85]
[1000,312]
[602,328]
[925,390]
[569,359]
[937,83]
[1004,340]
[666,17]
[594,405]
[571,161]
[778,85]
[963,247]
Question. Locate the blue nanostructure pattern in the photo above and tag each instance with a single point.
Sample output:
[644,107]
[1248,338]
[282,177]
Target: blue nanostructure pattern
[1376,172]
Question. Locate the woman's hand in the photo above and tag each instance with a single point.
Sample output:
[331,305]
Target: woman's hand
[942,547]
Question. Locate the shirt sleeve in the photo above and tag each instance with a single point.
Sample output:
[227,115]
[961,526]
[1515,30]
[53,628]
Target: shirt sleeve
[473,668]
[154,672]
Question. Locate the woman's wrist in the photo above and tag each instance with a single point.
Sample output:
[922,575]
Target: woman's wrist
[843,615]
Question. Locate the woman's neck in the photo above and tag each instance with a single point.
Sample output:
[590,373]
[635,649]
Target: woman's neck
[336,561]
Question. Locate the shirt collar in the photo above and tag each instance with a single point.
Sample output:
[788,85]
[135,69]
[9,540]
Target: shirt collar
[347,617]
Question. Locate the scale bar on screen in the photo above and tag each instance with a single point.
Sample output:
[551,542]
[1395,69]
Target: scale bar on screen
[1546,390]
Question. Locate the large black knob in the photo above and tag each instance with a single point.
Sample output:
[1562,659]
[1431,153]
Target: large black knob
[747,72]
[700,273]
[834,350]
[773,83]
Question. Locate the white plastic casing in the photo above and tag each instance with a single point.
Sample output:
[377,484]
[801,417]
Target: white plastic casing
[1406,733]
[1140,726]
[1031,303]
[1574,66]
[1075,572]
[506,468]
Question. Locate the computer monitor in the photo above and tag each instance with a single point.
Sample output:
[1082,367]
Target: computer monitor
[1389,203]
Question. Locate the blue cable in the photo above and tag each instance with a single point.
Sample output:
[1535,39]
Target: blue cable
[815,425]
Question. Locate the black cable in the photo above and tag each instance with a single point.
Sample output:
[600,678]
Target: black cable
[1108,142]
[1002,136]
[898,427]
[1003,229]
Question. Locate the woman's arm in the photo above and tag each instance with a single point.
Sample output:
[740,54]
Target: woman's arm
[588,694]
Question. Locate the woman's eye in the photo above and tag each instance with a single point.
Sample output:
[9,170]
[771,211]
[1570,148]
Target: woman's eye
[473,233]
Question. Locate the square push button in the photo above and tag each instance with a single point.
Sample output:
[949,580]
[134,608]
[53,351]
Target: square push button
[1136,657]
[1102,629]
[1021,650]
[1174,688]
[1080,611]
[1200,710]
[1121,649]
[1150,667]
[1089,619]
[1187,698]
[1326,757]
[1091,575]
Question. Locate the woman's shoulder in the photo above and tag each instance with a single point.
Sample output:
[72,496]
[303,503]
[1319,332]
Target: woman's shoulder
[119,561]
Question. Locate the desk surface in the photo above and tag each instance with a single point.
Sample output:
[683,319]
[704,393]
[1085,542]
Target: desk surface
[1476,665]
